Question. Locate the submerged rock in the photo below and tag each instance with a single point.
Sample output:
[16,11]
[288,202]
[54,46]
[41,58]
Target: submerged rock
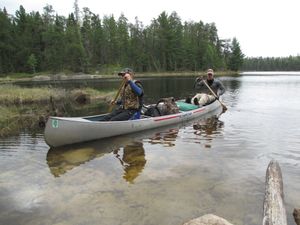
[208,219]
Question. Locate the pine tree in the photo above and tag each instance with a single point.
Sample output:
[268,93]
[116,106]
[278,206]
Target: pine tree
[75,59]
[236,56]
[32,63]
[57,43]
[54,42]
[7,47]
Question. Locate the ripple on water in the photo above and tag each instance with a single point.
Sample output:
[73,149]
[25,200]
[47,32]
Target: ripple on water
[22,148]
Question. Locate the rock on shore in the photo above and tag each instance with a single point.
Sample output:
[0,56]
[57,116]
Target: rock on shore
[208,219]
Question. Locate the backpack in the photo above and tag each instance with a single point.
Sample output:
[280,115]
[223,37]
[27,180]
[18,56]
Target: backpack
[152,111]
[167,106]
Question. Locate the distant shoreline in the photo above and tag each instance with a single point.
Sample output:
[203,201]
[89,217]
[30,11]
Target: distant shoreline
[270,73]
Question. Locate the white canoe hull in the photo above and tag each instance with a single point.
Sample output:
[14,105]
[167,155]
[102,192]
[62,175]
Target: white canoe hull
[61,131]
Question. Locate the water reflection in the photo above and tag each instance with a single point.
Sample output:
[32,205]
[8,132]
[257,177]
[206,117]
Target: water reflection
[133,160]
[204,129]
[155,87]
[166,138]
[231,96]
[61,160]
[208,128]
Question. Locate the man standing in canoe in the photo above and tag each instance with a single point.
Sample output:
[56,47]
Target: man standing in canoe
[205,95]
[131,100]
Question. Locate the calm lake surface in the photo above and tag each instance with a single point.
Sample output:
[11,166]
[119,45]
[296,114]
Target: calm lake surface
[167,176]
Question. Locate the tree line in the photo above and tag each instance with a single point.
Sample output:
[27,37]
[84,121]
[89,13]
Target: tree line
[291,63]
[83,42]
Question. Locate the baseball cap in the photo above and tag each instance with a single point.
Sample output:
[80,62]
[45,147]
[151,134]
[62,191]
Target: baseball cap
[210,71]
[125,70]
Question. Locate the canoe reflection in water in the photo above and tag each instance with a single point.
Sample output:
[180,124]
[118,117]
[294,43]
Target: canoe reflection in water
[61,160]
[127,149]
[133,160]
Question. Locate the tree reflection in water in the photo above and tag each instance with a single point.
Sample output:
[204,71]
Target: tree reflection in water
[133,160]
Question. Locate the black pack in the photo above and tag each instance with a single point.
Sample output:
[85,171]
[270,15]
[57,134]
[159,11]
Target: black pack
[152,111]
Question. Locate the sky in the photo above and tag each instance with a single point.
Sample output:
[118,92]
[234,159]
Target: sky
[267,28]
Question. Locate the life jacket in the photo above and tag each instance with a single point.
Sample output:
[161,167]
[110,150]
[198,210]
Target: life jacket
[129,99]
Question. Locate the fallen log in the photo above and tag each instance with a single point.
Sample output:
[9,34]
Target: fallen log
[296,215]
[208,219]
[274,210]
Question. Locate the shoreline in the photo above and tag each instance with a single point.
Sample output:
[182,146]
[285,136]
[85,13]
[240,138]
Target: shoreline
[10,78]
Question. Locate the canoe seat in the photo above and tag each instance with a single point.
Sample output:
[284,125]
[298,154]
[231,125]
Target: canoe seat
[136,116]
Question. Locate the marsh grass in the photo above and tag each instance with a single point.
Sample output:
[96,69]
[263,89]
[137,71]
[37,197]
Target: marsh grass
[10,94]
[11,120]
[26,107]
[15,95]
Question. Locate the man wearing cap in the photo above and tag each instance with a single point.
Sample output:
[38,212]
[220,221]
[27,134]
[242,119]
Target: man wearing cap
[204,95]
[131,100]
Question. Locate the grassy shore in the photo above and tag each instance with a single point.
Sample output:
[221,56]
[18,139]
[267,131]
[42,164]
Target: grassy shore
[12,94]
[29,107]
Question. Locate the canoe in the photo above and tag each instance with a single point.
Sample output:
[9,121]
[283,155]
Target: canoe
[60,131]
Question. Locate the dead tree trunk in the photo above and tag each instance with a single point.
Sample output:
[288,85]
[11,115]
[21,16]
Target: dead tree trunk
[274,209]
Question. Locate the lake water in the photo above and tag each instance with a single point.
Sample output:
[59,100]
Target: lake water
[166,176]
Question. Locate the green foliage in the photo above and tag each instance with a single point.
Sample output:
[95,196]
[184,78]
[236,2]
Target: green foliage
[236,56]
[291,63]
[7,48]
[109,69]
[32,63]
[30,42]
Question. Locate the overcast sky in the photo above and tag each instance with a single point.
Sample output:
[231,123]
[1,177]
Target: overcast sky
[262,27]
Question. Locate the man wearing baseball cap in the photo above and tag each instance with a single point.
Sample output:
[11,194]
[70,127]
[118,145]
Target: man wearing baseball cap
[131,100]
[204,95]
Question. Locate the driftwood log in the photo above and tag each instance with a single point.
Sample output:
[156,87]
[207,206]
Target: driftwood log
[296,215]
[208,219]
[274,209]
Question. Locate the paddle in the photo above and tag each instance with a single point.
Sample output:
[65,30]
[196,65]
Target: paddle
[224,106]
[116,97]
